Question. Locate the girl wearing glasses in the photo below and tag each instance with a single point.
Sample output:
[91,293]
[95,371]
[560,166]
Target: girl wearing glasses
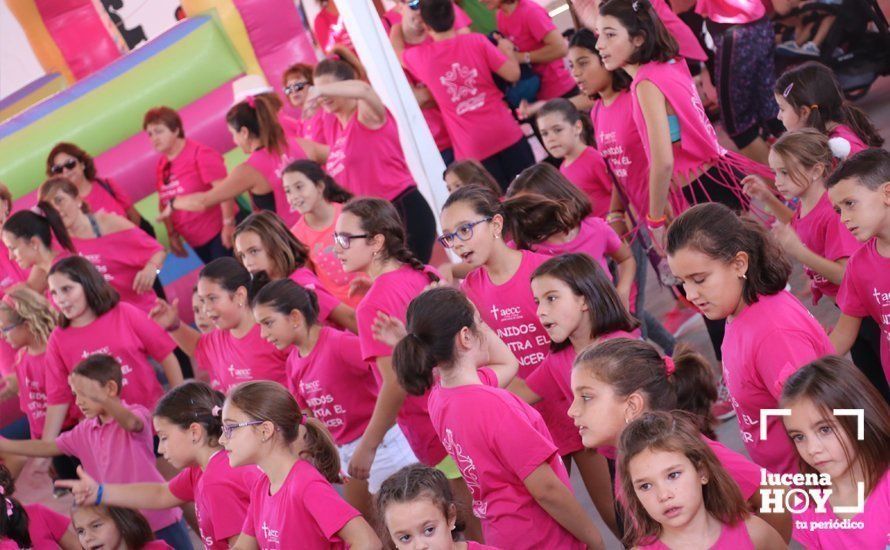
[188,421]
[235,352]
[269,251]
[293,505]
[101,194]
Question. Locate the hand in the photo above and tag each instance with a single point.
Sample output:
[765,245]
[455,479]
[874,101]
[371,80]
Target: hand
[165,314]
[388,330]
[144,280]
[587,12]
[313,96]
[757,188]
[359,286]
[528,110]
[507,47]
[10,387]
[176,245]
[787,238]
[446,270]
[360,463]
[165,214]
[228,235]
[85,489]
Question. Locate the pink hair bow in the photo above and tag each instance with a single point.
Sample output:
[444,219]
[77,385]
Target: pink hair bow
[669,366]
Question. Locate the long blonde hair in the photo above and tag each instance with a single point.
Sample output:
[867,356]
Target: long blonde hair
[32,309]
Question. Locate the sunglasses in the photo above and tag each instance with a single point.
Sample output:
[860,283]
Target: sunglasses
[296,87]
[414,4]
[67,165]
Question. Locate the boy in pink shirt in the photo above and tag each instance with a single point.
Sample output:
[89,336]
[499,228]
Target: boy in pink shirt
[457,71]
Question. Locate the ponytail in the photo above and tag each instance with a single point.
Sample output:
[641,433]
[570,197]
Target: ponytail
[695,388]
[13,516]
[259,115]
[43,224]
[319,449]
[434,318]
[862,125]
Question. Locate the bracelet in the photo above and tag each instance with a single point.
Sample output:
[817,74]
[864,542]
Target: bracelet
[615,217]
[228,221]
[655,224]
[99,494]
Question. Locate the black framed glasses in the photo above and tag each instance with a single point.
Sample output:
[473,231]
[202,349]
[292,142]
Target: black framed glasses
[343,240]
[67,165]
[463,232]
[9,328]
[295,87]
[227,429]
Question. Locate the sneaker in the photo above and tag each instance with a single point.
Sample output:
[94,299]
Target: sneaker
[792,48]
[722,408]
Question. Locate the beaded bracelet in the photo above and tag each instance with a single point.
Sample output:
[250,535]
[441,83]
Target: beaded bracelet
[99,494]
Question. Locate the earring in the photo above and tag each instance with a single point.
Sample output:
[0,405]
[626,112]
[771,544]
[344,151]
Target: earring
[745,276]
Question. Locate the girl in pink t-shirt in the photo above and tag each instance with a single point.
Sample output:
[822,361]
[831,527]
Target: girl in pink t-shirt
[113,527]
[293,504]
[31,525]
[849,449]
[676,491]
[366,155]
[269,251]
[188,421]
[319,199]
[566,137]
[416,506]
[506,462]
[732,269]
[327,375]
[234,352]
[128,258]
[809,96]
[36,241]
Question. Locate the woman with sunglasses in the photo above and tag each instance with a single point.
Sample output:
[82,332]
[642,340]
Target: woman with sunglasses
[309,122]
[186,166]
[101,194]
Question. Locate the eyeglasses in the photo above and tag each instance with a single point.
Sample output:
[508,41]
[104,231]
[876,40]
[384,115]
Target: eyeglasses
[343,240]
[67,165]
[295,87]
[10,328]
[413,4]
[463,232]
[227,429]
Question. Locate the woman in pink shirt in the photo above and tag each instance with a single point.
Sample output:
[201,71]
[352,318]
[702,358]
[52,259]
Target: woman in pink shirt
[732,269]
[234,352]
[113,527]
[809,96]
[256,130]
[329,378]
[296,81]
[31,525]
[95,321]
[618,380]
[186,166]
[127,257]
[36,240]
[293,504]
[678,494]
[521,492]
[365,152]
[188,421]
[319,200]
[269,251]
[850,452]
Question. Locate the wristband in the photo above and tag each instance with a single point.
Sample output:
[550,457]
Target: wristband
[655,224]
[99,494]
[229,221]
[615,217]
[528,58]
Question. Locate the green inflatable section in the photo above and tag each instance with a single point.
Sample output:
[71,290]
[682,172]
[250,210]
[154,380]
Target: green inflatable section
[484,20]
[186,71]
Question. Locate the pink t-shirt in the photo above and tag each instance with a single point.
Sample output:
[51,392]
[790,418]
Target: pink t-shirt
[457,72]
[872,526]
[595,238]
[111,454]
[497,441]
[119,257]
[735,537]
[10,272]
[431,113]
[764,345]
[865,292]
[45,526]
[125,333]
[271,167]
[369,163]
[330,30]
[526,27]
[845,133]
[335,383]
[822,231]
[304,277]
[221,495]
[31,372]
[321,250]
[461,19]
[100,199]
[588,173]
[620,145]
[689,45]
[311,127]
[731,12]
[231,361]
[305,513]
[193,170]
[391,293]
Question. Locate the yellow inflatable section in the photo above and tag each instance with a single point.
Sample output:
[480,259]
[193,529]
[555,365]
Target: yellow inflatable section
[232,24]
[45,49]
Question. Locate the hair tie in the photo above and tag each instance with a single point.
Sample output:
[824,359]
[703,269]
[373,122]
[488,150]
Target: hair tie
[302,420]
[251,101]
[788,90]
[669,367]
[635,6]
[335,57]
[9,509]
[37,210]
[216,411]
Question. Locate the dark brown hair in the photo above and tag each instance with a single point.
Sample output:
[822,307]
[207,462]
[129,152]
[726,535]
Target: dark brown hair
[438,14]
[26,224]
[342,65]
[166,116]
[193,403]
[434,318]
[271,402]
[567,109]
[6,197]
[716,231]
[673,432]
[471,172]
[284,250]
[285,296]
[814,85]
[834,383]
[630,366]
[483,201]
[585,39]
[102,368]
[133,527]
[13,516]
[261,122]
[379,217]
[640,19]
[101,297]
[870,168]
[587,279]
[330,189]
[89,167]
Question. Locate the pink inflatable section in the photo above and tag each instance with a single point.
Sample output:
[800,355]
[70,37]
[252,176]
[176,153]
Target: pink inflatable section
[80,34]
